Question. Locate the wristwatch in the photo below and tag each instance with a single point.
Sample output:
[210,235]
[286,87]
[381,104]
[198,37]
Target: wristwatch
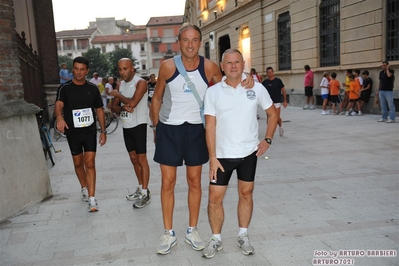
[269,141]
[103,131]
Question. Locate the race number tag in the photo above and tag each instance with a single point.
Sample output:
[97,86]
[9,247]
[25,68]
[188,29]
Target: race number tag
[125,116]
[150,94]
[82,117]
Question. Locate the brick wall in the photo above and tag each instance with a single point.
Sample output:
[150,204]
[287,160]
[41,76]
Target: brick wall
[10,74]
[46,41]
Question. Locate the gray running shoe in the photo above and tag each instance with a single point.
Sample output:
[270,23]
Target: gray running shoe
[134,195]
[166,242]
[93,206]
[85,194]
[143,200]
[213,246]
[245,245]
[194,239]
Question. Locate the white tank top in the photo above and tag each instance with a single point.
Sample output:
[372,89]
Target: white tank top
[140,113]
[179,104]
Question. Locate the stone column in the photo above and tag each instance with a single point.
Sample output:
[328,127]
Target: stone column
[24,178]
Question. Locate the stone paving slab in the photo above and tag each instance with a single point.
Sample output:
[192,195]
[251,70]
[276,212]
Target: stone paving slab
[331,183]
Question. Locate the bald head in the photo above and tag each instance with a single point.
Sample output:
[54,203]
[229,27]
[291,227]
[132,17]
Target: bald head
[126,69]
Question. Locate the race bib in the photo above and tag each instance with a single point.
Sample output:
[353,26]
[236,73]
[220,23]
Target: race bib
[82,117]
[125,116]
[150,94]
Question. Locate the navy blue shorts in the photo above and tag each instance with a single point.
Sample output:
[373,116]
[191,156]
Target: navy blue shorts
[79,143]
[175,144]
[136,138]
[245,167]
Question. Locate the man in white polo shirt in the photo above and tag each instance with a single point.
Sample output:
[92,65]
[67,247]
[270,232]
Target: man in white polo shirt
[233,144]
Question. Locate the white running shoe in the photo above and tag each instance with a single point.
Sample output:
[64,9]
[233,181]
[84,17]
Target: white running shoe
[93,206]
[214,245]
[281,131]
[311,107]
[245,245]
[85,194]
[306,107]
[193,238]
[166,242]
[134,195]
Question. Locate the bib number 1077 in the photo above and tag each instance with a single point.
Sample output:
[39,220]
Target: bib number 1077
[84,119]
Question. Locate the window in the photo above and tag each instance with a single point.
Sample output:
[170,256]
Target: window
[116,47]
[154,33]
[83,44]
[143,66]
[103,49]
[157,63]
[207,52]
[68,45]
[169,47]
[392,53]
[142,47]
[329,33]
[284,41]
[168,33]
[156,48]
[129,47]
[58,45]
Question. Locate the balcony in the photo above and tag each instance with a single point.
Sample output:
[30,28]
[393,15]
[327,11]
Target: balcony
[156,39]
[143,53]
[169,54]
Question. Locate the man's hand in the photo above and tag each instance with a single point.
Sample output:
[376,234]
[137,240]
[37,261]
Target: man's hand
[263,146]
[249,82]
[285,104]
[214,165]
[127,108]
[114,93]
[103,139]
[61,125]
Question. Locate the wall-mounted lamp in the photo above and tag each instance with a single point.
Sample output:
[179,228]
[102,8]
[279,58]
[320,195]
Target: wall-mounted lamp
[215,14]
[235,3]
[199,23]
[237,28]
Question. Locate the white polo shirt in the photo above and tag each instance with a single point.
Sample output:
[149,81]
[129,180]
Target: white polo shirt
[235,110]
[140,113]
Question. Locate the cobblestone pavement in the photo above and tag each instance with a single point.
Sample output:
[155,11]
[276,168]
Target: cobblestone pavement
[330,184]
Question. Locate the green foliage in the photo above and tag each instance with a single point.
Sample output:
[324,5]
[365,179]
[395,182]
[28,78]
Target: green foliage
[98,62]
[67,60]
[115,56]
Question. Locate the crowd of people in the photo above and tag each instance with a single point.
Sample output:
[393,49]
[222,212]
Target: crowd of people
[193,123]
[357,91]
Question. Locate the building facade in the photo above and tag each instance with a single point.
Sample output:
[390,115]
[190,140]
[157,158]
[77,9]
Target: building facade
[134,42]
[162,34]
[327,35]
[73,43]
[28,63]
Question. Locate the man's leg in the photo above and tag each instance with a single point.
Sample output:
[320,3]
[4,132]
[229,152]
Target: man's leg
[383,104]
[80,171]
[136,166]
[391,105]
[215,207]
[90,165]
[167,194]
[245,203]
[194,193]
[144,170]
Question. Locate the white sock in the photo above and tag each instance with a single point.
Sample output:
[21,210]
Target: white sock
[242,231]
[144,191]
[190,229]
[171,232]
[140,187]
[217,236]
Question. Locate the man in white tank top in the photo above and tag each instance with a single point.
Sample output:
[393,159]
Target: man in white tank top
[133,114]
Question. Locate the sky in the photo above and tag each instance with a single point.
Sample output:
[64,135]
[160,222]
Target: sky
[76,14]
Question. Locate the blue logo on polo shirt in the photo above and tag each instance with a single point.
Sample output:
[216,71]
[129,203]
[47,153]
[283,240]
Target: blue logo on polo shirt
[251,94]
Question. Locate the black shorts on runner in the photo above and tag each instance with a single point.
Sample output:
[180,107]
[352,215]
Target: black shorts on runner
[245,167]
[175,144]
[365,95]
[136,138]
[336,98]
[353,100]
[308,91]
[78,144]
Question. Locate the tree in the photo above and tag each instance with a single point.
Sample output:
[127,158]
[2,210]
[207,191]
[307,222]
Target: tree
[115,56]
[98,62]
[67,60]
